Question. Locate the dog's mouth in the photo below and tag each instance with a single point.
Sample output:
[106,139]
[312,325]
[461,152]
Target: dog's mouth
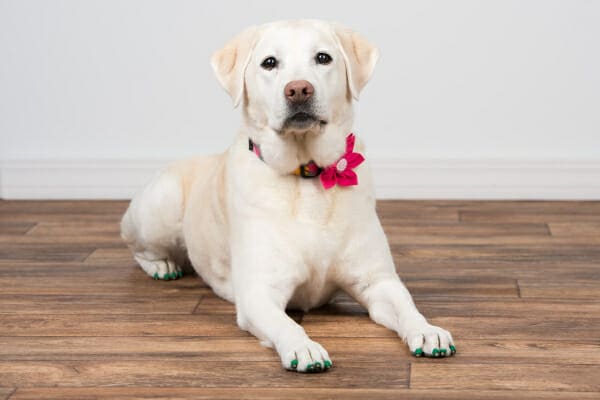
[302,120]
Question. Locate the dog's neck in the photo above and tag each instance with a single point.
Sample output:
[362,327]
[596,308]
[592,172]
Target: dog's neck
[285,152]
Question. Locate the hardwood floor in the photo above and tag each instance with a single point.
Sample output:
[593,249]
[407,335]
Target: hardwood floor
[517,283]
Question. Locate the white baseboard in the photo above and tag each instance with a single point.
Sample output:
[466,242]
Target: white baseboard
[75,179]
[394,179]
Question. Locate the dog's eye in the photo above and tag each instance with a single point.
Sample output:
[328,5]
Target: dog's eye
[323,58]
[269,63]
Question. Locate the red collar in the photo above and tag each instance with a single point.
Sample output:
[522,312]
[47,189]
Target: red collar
[308,170]
[339,173]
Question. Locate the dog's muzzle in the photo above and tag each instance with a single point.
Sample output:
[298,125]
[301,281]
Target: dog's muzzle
[301,116]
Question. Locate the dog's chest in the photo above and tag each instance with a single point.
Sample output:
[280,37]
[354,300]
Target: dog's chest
[318,235]
[317,283]
[310,205]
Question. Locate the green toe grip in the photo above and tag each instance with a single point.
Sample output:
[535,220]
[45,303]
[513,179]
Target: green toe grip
[166,276]
[435,352]
[327,364]
[174,275]
[443,352]
[317,366]
[309,367]
[155,276]
[180,274]
[294,363]
[418,352]
[452,349]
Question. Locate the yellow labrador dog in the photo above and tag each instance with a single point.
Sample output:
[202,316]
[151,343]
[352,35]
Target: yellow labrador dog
[286,216]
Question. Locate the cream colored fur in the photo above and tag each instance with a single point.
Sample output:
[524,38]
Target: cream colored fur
[262,237]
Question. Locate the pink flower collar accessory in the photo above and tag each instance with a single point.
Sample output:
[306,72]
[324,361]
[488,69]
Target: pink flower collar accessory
[339,173]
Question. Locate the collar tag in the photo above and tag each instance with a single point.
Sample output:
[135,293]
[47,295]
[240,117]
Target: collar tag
[310,170]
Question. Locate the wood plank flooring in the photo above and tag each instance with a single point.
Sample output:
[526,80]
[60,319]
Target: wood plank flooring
[517,283]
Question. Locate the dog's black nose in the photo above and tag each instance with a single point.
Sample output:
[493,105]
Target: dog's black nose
[298,92]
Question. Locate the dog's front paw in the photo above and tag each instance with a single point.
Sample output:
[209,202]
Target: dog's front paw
[307,356]
[430,341]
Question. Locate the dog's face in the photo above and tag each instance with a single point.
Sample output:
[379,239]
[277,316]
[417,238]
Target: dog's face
[296,78]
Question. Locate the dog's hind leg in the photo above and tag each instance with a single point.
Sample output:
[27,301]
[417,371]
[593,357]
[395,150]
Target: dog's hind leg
[152,225]
[158,267]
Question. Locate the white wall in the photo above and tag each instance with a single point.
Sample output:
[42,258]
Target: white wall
[511,83]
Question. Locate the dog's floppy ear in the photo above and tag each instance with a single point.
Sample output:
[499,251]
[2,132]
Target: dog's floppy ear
[360,57]
[231,61]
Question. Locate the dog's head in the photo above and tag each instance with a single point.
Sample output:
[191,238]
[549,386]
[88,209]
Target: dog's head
[296,77]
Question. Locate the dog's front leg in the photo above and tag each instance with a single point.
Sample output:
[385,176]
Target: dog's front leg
[374,283]
[390,305]
[264,281]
